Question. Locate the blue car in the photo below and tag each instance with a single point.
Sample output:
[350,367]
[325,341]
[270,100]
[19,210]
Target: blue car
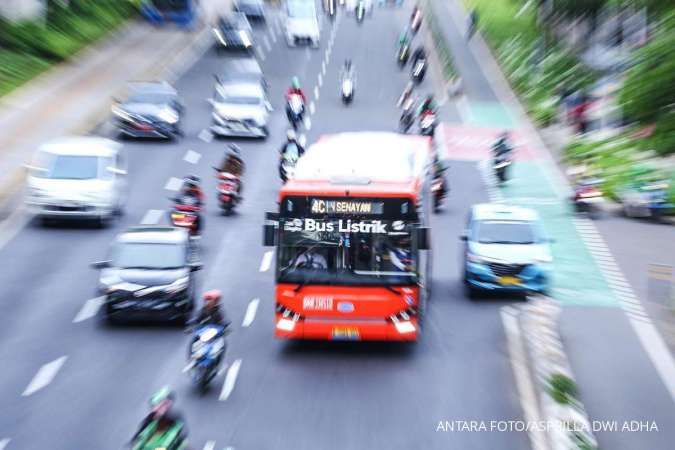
[505,250]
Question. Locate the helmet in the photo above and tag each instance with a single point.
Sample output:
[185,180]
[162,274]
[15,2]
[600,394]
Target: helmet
[192,180]
[233,149]
[295,82]
[290,134]
[348,63]
[163,395]
[430,99]
[212,298]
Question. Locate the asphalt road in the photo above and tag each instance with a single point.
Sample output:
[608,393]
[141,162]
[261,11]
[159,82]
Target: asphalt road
[285,395]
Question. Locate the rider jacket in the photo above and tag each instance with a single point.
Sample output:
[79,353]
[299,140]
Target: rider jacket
[301,149]
[293,91]
[169,419]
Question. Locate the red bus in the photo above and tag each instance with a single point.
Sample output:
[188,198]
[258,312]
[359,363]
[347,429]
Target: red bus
[352,239]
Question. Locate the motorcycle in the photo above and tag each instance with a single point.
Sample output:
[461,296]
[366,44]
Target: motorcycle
[403,55]
[331,8]
[295,110]
[185,214]
[229,186]
[288,162]
[347,89]
[588,198]
[501,166]
[407,116]
[419,70]
[152,438]
[206,353]
[438,190]
[360,11]
[416,21]
[428,123]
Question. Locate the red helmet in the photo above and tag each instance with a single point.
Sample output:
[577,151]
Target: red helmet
[212,298]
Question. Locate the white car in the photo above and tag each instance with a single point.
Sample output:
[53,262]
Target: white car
[77,178]
[302,23]
[240,108]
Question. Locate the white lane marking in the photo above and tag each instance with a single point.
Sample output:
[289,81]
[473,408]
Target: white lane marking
[89,309]
[658,352]
[268,46]
[320,80]
[11,226]
[152,217]
[250,313]
[4,443]
[210,445]
[312,107]
[44,376]
[173,184]
[192,157]
[205,135]
[524,383]
[316,92]
[273,34]
[308,123]
[323,68]
[230,380]
[266,261]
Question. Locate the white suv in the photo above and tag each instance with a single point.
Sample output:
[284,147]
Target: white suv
[302,23]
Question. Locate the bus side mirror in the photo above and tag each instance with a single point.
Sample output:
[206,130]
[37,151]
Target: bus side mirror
[269,235]
[423,238]
[272,216]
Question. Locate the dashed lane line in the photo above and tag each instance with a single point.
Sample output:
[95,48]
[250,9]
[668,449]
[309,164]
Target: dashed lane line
[320,80]
[44,376]
[89,309]
[249,317]
[173,184]
[206,136]
[266,261]
[268,46]
[312,107]
[316,92]
[192,157]
[152,217]
[210,445]
[230,380]
[4,443]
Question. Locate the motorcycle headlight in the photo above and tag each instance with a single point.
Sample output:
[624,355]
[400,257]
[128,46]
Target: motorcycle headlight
[168,115]
[199,349]
[178,285]
[245,38]
[122,114]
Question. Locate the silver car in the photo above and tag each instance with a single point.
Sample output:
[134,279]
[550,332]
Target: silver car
[241,109]
[77,178]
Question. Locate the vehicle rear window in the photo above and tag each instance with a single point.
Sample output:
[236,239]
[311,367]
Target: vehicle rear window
[140,255]
[505,232]
[70,167]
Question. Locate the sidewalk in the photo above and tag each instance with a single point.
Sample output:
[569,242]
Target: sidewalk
[75,96]
[622,364]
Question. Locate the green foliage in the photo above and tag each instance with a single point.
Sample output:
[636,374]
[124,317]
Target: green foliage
[562,388]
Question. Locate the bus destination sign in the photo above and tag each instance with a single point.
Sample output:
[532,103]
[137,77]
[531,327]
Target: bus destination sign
[358,207]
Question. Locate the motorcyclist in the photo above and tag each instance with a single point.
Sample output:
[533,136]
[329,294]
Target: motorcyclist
[164,412]
[427,106]
[210,312]
[407,93]
[192,188]
[295,89]
[502,148]
[347,70]
[233,164]
[291,139]
[404,38]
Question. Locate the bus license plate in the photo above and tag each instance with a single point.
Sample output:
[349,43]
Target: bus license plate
[509,281]
[346,334]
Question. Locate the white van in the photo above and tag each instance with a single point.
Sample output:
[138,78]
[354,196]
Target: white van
[302,23]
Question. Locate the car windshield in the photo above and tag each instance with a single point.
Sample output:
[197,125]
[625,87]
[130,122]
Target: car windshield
[236,99]
[338,257]
[232,23]
[505,232]
[70,167]
[301,10]
[155,98]
[141,255]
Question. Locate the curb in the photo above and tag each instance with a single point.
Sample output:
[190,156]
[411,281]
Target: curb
[566,424]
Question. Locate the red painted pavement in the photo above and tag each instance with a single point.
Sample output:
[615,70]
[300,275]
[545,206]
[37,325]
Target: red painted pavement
[472,143]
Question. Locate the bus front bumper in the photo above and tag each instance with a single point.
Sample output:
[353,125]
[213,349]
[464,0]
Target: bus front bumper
[352,330]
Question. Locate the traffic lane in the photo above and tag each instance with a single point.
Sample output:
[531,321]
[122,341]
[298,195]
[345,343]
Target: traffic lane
[147,363]
[342,395]
[598,342]
[325,385]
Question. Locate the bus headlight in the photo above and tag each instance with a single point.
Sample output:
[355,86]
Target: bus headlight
[286,324]
[405,327]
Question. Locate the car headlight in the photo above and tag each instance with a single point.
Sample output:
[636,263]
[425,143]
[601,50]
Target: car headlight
[245,38]
[122,114]
[177,286]
[168,115]
[545,259]
[219,36]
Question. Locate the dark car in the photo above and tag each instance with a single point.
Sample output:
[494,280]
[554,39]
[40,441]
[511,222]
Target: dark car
[233,32]
[149,276]
[254,9]
[152,110]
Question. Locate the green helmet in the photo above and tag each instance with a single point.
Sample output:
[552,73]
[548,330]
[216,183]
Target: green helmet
[295,83]
[161,395]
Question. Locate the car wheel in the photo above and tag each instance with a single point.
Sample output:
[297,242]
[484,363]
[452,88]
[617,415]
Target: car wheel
[470,291]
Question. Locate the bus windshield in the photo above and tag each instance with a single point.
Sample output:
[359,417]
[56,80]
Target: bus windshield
[347,252]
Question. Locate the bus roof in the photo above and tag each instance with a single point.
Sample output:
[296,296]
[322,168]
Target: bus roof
[363,163]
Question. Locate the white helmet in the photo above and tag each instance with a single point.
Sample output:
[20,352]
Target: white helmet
[290,134]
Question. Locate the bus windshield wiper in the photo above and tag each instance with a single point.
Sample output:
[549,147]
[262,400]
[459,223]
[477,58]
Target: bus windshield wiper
[389,288]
